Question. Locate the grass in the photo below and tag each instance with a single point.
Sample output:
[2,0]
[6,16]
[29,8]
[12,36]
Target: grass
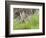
[32,24]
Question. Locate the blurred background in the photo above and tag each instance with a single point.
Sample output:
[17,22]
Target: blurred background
[25,18]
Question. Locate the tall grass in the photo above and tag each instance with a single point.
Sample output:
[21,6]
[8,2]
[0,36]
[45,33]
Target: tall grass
[32,24]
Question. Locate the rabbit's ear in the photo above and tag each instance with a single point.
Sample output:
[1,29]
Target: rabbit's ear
[20,14]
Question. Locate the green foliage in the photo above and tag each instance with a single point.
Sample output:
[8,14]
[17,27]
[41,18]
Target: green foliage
[32,24]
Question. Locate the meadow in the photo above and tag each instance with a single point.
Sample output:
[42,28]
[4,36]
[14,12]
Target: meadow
[32,24]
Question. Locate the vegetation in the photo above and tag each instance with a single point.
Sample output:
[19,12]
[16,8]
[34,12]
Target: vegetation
[32,24]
